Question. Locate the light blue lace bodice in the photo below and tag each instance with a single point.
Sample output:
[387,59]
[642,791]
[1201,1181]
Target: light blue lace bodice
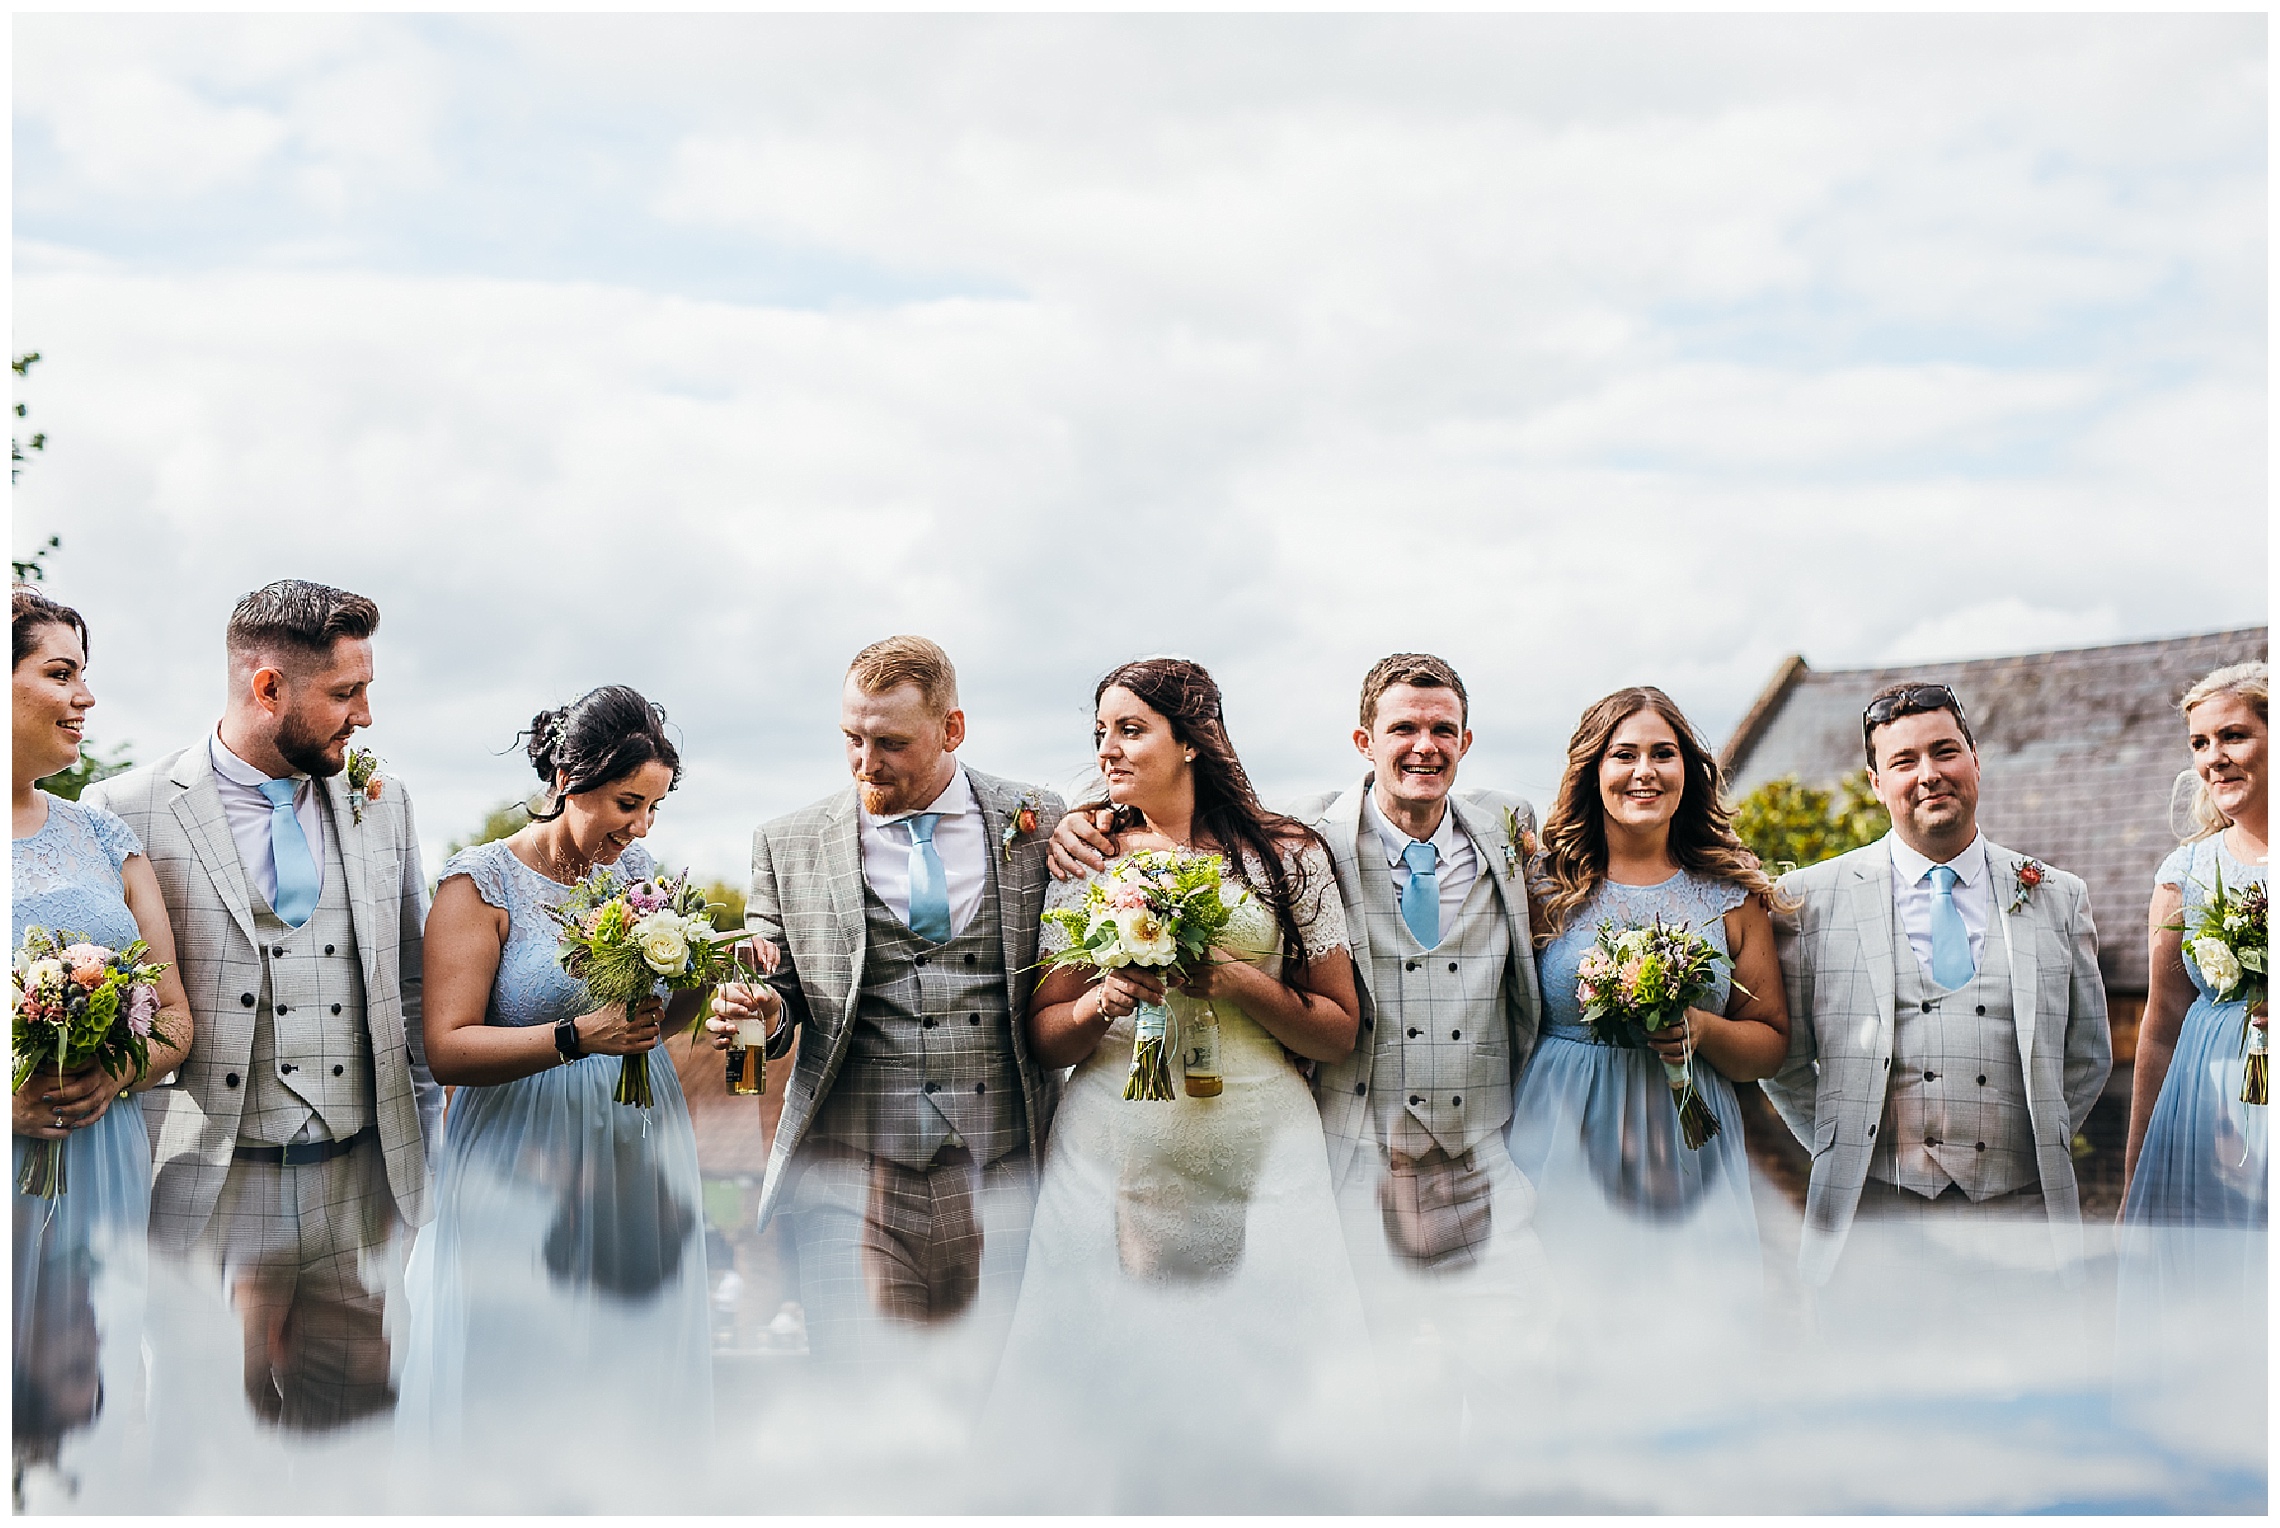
[531,987]
[1697,901]
[65,878]
[2193,868]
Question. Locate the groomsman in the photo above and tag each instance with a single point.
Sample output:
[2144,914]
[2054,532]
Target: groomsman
[906,910]
[1947,1038]
[1435,889]
[290,1147]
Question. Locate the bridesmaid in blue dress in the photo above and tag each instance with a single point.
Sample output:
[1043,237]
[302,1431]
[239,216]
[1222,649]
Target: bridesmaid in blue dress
[563,1277]
[2191,1294]
[79,1262]
[1627,1213]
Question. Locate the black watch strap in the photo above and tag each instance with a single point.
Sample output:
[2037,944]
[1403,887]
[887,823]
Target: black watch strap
[566,1039]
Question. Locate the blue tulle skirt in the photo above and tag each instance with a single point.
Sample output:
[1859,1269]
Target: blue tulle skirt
[563,1277]
[79,1277]
[1626,1211]
[2190,1296]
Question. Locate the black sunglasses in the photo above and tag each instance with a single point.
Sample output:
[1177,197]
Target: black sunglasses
[1910,701]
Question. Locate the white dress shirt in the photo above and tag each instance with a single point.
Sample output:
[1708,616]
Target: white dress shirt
[961,840]
[249,813]
[1912,895]
[1459,866]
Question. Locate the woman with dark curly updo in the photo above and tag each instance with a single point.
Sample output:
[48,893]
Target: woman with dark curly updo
[564,1266]
[1627,1211]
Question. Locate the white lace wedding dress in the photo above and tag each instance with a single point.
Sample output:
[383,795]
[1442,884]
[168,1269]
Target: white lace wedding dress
[1188,1250]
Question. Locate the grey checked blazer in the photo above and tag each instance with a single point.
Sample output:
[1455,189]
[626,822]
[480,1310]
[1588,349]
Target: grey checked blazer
[174,808]
[1837,967]
[1480,815]
[807,897]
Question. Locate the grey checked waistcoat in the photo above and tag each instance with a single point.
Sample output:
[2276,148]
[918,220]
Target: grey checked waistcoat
[930,1061]
[311,1052]
[1443,1054]
[1955,1110]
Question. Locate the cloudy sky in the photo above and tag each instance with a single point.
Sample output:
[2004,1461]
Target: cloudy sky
[694,353]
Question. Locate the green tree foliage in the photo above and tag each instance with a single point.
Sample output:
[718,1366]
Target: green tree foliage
[1787,824]
[92,766]
[502,821]
[22,366]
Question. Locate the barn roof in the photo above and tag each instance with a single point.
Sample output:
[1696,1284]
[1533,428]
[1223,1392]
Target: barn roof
[2078,753]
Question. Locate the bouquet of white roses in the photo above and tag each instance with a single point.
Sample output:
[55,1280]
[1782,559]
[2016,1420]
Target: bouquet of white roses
[2230,943]
[1154,908]
[74,1002]
[623,939]
[1636,981]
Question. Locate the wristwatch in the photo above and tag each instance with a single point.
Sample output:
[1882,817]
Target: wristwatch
[566,1039]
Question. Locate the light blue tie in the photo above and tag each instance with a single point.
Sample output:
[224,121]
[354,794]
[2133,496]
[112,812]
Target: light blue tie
[289,851]
[1421,898]
[1951,946]
[929,888]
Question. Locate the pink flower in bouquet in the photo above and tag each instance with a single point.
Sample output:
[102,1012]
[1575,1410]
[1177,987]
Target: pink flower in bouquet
[142,1009]
[644,898]
[1129,898]
[86,962]
[1632,969]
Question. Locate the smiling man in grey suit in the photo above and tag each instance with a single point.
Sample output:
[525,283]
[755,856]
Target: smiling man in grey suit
[290,1149]
[905,909]
[1948,1037]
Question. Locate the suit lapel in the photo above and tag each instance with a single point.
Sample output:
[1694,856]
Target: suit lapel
[1486,831]
[1342,825]
[356,867]
[198,810]
[2018,931]
[1872,917]
[843,884]
[996,810]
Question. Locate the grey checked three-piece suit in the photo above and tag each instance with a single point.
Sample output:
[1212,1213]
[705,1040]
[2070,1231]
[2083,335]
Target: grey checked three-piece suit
[305,1037]
[1840,953]
[898,1042]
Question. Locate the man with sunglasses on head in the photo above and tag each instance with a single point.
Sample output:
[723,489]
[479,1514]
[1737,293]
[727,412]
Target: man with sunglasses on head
[1947,1039]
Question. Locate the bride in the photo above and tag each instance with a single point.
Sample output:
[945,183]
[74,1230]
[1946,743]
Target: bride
[1186,1275]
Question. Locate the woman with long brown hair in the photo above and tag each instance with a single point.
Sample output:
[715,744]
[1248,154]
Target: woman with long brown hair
[1637,833]
[1190,1244]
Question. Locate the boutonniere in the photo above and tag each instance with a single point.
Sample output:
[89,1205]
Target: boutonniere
[1024,820]
[2024,880]
[364,782]
[1519,843]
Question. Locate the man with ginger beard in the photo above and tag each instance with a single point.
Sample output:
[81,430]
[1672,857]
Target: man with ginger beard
[290,1147]
[903,913]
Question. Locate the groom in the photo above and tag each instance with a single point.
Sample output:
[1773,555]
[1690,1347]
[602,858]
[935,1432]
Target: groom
[905,909]
[1947,1039]
[289,1148]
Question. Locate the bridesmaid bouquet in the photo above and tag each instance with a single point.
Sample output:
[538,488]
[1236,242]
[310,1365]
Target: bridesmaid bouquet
[74,1002]
[1635,981]
[622,938]
[1153,908]
[2230,942]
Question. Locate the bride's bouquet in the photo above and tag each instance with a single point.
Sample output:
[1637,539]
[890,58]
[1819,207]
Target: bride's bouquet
[73,1003]
[1154,908]
[2230,942]
[622,938]
[1636,981]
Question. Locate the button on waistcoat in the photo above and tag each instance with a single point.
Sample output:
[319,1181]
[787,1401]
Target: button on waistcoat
[1955,1108]
[931,1060]
[312,1055]
[1443,1053]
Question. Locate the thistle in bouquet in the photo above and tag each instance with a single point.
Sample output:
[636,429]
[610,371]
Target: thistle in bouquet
[1634,982]
[625,938]
[1159,909]
[2229,941]
[75,1004]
